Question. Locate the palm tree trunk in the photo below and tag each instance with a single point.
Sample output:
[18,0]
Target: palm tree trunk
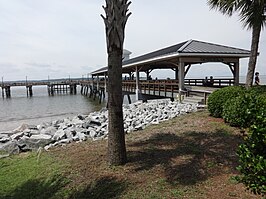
[115,22]
[116,135]
[253,55]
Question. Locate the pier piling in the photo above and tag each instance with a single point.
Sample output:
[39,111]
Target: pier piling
[73,89]
[29,91]
[8,91]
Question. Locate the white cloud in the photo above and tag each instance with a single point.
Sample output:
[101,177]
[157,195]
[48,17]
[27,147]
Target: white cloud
[67,37]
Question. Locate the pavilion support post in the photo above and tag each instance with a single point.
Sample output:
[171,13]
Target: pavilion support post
[137,84]
[236,73]
[181,75]
[181,81]
[176,74]
[105,83]
[92,79]
[98,86]
[148,74]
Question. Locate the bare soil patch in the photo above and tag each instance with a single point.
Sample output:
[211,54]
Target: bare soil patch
[191,156]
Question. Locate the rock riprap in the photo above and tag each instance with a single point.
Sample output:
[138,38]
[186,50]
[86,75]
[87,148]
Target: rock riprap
[137,116]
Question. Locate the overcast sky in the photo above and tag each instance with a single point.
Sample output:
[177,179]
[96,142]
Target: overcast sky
[58,38]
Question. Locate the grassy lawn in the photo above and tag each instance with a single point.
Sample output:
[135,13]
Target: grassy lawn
[192,156]
[27,176]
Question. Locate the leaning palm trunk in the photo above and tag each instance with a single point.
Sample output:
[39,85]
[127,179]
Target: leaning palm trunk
[252,14]
[253,55]
[115,21]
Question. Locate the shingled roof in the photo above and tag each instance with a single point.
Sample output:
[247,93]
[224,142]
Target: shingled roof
[187,48]
[193,46]
[158,53]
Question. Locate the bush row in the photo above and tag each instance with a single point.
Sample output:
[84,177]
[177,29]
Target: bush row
[246,109]
[238,106]
[252,158]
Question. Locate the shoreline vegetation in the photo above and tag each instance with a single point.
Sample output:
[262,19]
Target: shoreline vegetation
[190,156]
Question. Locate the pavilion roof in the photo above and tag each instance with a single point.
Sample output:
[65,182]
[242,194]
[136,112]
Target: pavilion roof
[190,48]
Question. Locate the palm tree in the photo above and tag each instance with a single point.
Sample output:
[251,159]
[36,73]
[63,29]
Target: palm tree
[252,14]
[115,21]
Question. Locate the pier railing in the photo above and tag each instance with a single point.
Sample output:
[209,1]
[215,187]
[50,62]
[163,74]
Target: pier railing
[37,83]
[216,82]
[166,88]
[163,88]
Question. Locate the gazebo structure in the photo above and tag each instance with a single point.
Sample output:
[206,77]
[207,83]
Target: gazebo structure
[180,58]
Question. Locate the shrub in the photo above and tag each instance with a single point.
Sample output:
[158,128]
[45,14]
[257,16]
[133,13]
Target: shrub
[242,110]
[258,90]
[219,97]
[252,157]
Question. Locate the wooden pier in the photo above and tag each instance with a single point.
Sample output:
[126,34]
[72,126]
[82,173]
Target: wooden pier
[55,87]
[154,89]
[62,88]
[143,89]
[6,91]
[93,90]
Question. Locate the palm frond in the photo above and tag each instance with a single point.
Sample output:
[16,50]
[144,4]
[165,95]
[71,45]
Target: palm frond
[251,12]
[227,7]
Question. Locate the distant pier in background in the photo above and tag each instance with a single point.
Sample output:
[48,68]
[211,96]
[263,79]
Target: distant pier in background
[53,87]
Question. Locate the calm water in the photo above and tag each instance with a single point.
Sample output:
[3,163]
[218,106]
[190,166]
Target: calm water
[41,108]
[242,79]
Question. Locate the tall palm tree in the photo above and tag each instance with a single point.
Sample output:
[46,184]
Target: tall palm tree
[115,21]
[252,14]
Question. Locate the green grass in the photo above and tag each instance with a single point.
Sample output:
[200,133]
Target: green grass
[186,157]
[25,176]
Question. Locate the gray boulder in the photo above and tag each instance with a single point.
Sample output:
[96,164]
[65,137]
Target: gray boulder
[41,137]
[4,138]
[81,136]
[29,144]
[49,130]
[21,128]
[10,147]
[16,136]
[60,134]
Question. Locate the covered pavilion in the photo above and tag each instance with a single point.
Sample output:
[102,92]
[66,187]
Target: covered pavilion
[180,58]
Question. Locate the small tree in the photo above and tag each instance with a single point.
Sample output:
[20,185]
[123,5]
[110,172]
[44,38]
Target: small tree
[115,21]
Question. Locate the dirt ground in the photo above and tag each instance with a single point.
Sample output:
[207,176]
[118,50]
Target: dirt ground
[191,156]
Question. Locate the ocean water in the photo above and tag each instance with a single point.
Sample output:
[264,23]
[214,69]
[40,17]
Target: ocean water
[242,79]
[20,109]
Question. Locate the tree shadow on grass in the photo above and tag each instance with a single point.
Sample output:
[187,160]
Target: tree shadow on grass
[187,159]
[41,189]
[104,188]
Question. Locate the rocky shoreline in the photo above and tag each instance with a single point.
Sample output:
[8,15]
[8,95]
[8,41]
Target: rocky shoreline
[137,116]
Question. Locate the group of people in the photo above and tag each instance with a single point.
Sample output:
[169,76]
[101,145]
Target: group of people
[208,82]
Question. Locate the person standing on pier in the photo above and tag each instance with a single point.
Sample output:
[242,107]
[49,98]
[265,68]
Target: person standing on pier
[205,81]
[257,79]
[211,81]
